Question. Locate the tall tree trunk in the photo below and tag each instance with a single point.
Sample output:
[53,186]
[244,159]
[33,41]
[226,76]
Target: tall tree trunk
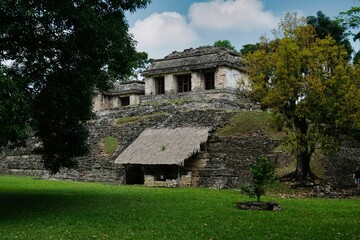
[303,171]
[303,151]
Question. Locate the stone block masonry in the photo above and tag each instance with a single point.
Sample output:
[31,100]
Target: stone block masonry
[100,167]
[222,163]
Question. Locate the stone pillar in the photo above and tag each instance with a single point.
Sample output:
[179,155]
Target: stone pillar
[97,102]
[149,86]
[134,100]
[232,79]
[115,102]
[170,84]
[220,78]
[244,82]
[197,82]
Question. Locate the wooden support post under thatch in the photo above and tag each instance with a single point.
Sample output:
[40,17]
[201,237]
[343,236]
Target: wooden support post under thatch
[178,177]
[143,170]
[125,173]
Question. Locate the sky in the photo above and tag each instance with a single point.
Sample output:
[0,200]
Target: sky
[174,25]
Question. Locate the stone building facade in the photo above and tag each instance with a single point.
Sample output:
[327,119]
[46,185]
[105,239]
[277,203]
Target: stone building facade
[123,94]
[193,74]
[209,78]
[214,72]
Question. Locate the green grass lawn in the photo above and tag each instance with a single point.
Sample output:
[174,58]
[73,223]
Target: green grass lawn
[40,209]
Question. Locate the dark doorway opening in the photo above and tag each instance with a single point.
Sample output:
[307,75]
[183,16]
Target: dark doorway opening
[209,80]
[163,172]
[134,174]
[125,101]
[160,85]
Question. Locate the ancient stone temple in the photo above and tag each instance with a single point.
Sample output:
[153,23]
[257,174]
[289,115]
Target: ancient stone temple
[194,74]
[206,72]
[123,94]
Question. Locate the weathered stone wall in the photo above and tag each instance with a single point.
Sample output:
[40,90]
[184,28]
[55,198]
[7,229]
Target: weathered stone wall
[23,161]
[217,95]
[111,99]
[227,78]
[98,166]
[223,162]
[229,159]
[340,166]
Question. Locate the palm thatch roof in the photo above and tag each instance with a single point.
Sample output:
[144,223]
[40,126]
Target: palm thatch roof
[195,59]
[164,146]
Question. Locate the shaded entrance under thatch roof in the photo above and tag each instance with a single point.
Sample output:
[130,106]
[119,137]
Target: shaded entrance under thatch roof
[159,154]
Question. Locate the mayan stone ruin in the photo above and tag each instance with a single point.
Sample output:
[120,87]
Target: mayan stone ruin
[171,136]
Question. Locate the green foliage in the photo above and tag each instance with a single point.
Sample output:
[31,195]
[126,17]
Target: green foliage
[110,144]
[162,147]
[251,121]
[60,51]
[309,83]
[351,20]
[249,48]
[15,107]
[263,174]
[39,209]
[177,101]
[324,27]
[224,43]
[133,119]
[357,58]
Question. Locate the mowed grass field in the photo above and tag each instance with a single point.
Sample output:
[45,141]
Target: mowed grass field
[42,209]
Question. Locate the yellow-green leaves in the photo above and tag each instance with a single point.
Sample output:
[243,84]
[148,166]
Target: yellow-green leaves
[308,81]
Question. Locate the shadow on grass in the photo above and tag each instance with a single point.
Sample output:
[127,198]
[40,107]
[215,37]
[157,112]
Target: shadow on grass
[15,205]
[41,204]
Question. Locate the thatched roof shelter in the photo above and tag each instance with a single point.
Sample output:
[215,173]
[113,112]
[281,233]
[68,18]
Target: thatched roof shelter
[164,146]
[195,59]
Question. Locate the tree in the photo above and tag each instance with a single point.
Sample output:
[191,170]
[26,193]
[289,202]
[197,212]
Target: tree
[56,52]
[14,110]
[324,27]
[249,48]
[263,174]
[351,20]
[224,43]
[308,82]
[357,58]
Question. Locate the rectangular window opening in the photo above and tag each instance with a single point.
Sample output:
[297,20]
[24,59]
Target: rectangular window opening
[184,83]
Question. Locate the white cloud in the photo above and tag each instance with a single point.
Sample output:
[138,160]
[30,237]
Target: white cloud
[240,21]
[159,34]
[239,15]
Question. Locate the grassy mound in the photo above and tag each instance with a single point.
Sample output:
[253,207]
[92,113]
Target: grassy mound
[250,121]
[134,119]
